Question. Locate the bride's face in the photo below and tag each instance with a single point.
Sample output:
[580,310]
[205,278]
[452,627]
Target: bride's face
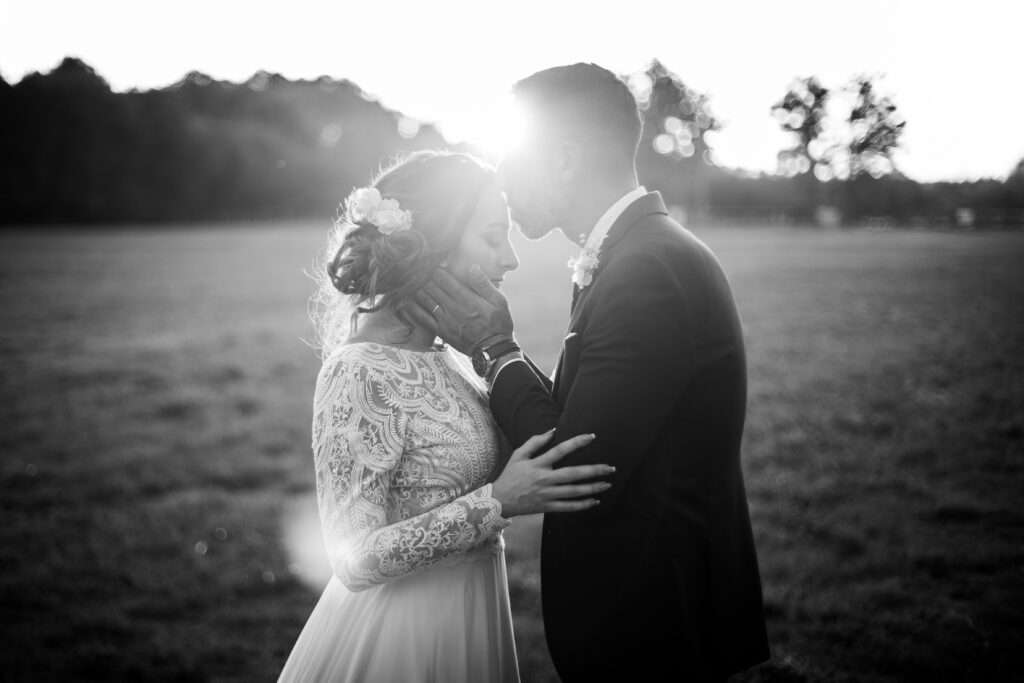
[486,241]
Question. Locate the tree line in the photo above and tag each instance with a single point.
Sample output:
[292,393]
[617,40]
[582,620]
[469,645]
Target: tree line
[838,169]
[202,149]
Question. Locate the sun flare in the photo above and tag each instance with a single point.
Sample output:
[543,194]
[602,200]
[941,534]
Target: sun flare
[501,128]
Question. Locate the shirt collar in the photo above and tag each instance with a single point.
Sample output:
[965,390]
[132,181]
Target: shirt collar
[608,218]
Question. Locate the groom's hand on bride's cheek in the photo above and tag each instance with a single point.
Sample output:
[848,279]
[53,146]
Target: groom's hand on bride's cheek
[466,315]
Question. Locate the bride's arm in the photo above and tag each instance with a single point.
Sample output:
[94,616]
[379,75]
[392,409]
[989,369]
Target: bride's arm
[358,439]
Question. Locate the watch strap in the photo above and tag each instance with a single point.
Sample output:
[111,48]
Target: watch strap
[501,348]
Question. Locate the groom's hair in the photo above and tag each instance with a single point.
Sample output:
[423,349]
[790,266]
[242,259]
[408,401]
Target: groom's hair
[586,102]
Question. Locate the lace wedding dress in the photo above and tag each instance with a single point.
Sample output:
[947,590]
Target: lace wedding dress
[404,445]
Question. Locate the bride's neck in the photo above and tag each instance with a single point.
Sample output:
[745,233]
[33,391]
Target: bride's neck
[384,327]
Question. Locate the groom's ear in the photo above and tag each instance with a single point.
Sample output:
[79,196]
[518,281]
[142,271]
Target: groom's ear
[568,160]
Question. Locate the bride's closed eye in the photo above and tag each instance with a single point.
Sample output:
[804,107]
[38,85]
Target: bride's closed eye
[495,235]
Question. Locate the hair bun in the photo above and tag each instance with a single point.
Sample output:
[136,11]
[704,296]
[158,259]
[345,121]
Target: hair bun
[370,264]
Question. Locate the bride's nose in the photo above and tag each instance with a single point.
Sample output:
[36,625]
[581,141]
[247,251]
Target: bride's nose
[509,259]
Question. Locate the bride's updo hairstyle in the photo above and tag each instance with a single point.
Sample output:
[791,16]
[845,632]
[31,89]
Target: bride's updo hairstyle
[369,269]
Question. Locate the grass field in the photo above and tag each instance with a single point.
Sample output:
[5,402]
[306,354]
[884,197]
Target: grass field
[155,468]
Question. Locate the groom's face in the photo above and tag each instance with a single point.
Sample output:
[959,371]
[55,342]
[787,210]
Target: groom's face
[532,185]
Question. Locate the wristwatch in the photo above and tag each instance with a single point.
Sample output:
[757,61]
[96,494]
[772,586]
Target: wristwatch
[484,357]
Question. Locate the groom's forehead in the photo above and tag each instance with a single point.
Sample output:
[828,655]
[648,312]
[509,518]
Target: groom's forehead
[573,113]
[542,119]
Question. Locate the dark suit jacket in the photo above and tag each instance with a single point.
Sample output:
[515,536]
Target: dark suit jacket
[661,578]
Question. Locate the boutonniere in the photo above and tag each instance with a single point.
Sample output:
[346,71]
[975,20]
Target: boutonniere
[583,267]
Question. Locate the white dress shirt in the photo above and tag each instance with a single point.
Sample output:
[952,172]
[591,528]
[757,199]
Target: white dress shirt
[608,218]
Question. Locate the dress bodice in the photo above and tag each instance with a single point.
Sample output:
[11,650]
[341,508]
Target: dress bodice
[404,445]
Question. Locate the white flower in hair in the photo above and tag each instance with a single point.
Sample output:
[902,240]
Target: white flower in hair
[362,203]
[367,204]
[390,217]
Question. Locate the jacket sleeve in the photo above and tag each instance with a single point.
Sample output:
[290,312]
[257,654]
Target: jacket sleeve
[544,379]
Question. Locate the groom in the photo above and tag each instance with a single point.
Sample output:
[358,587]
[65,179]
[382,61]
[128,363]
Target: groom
[660,581]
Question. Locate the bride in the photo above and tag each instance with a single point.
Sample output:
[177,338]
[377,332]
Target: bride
[413,480]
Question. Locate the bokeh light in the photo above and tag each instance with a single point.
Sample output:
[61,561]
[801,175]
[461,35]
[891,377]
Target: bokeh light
[408,127]
[330,135]
[641,85]
[664,144]
[303,541]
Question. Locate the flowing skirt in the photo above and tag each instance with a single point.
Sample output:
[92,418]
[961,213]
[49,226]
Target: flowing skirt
[448,623]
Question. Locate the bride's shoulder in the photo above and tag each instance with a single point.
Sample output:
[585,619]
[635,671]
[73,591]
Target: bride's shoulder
[368,371]
[351,365]
[355,355]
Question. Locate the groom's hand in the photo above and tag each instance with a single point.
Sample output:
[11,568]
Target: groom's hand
[465,315]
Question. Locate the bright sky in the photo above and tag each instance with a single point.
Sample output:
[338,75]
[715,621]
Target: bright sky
[952,67]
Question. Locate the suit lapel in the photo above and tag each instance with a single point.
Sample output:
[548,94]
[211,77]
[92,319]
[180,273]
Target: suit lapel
[556,380]
[647,205]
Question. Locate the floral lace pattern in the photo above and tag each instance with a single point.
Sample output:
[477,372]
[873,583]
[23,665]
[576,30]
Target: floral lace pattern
[403,445]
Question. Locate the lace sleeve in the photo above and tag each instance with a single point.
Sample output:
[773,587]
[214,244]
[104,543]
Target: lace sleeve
[359,429]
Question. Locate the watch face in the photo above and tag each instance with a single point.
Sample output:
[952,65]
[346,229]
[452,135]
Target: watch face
[480,363]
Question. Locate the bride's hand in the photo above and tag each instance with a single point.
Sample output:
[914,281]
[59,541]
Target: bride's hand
[529,485]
